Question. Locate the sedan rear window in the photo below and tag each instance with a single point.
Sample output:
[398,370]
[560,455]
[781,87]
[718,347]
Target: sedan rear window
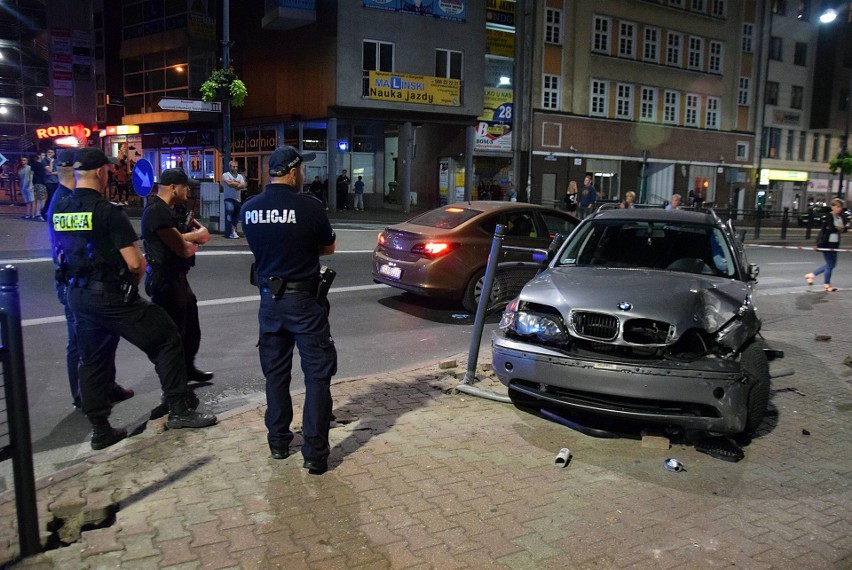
[445,218]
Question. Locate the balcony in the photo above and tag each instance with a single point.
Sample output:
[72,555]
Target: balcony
[289,14]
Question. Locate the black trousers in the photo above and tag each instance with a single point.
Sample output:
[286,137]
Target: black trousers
[102,316]
[176,297]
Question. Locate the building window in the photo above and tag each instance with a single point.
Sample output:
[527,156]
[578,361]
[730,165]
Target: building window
[693,106]
[711,118]
[843,102]
[771,142]
[815,148]
[803,142]
[796,95]
[448,63]
[748,38]
[553,26]
[627,40]
[651,49]
[673,46]
[676,3]
[648,107]
[599,99]
[826,149]
[695,59]
[771,93]
[717,53]
[800,56]
[550,92]
[600,35]
[744,92]
[779,7]
[698,6]
[742,151]
[671,107]
[151,77]
[718,8]
[791,139]
[375,56]
[775,48]
[624,101]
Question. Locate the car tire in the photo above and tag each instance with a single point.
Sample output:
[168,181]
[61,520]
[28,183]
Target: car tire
[474,289]
[755,366]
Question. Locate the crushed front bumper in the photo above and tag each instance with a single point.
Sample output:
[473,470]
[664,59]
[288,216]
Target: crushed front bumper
[706,395]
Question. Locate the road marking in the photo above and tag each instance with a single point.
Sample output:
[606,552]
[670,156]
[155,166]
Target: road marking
[214,302]
[4,262]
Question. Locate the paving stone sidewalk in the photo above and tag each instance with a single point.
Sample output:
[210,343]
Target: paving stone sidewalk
[425,477]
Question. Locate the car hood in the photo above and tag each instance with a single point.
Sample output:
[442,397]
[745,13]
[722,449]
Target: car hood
[685,300]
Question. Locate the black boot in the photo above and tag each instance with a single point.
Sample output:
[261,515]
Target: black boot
[103,434]
[180,416]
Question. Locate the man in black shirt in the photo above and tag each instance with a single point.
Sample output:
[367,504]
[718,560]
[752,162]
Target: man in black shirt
[287,233]
[171,236]
[98,252]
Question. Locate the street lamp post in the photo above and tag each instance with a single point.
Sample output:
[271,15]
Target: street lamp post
[827,17]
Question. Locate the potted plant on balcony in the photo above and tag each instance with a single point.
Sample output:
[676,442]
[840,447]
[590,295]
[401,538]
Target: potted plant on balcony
[224,84]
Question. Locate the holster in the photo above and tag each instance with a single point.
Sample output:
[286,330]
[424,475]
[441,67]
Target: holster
[326,278]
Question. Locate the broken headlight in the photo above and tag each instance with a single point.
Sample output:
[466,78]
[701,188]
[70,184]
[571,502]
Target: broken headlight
[522,322]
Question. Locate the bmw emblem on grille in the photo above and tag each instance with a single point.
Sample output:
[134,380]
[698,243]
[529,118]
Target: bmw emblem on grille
[625,306]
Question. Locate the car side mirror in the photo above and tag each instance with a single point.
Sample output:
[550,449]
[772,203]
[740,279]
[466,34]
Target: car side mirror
[753,271]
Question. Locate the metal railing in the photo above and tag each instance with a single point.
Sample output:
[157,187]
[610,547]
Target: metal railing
[14,412]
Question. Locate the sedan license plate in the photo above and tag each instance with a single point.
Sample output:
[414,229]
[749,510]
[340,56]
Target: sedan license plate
[390,271]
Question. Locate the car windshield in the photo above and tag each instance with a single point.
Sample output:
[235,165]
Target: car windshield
[446,218]
[690,248]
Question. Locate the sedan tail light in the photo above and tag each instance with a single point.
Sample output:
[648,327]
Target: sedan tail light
[434,249]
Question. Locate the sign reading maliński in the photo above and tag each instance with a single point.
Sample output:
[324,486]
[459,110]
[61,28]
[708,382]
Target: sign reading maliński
[422,89]
[447,9]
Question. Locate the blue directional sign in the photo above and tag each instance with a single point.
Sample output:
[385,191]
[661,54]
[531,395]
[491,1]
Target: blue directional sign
[143,177]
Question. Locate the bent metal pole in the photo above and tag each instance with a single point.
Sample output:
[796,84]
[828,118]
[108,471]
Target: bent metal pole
[482,306]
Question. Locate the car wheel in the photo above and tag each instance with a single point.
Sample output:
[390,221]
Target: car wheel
[474,290]
[755,366]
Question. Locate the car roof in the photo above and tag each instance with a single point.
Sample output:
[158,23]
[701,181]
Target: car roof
[488,206]
[658,215]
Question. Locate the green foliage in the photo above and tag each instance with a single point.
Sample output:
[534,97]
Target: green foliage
[224,83]
[843,161]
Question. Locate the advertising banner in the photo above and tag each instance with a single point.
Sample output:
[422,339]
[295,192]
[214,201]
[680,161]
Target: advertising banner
[494,131]
[419,89]
[446,9]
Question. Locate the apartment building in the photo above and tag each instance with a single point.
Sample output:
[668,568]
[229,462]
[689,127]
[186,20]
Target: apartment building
[650,96]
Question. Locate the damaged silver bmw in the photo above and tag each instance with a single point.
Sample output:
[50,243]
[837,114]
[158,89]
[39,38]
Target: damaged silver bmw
[645,315]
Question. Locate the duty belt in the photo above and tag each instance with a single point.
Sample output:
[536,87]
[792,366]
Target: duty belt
[93,285]
[278,286]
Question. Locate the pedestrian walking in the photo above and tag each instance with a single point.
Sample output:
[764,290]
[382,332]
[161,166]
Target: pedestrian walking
[834,224]
[293,306]
[171,236]
[98,251]
[63,165]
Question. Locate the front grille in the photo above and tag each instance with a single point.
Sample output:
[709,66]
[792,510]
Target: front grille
[595,325]
[646,331]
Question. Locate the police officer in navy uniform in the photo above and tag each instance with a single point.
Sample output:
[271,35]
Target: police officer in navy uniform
[287,233]
[64,166]
[98,250]
[171,237]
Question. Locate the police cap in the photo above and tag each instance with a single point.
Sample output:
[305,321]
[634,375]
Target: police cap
[286,158]
[90,158]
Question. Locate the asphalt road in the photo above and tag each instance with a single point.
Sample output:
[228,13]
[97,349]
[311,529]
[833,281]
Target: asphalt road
[376,328]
